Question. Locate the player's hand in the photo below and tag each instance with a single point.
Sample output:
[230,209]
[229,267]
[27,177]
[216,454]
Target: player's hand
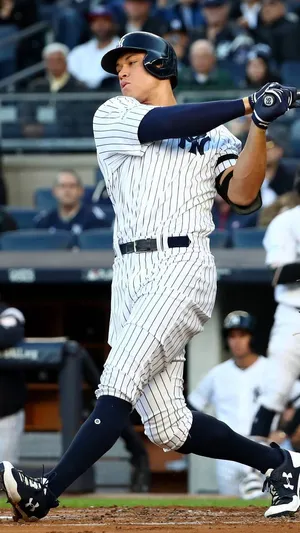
[255,96]
[274,103]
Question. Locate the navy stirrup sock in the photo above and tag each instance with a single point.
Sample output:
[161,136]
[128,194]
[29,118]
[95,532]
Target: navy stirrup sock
[210,437]
[95,437]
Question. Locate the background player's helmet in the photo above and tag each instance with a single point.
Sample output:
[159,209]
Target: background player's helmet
[160,59]
[240,320]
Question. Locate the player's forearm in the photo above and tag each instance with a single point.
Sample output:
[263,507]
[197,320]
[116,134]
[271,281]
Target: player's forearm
[188,120]
[249,170]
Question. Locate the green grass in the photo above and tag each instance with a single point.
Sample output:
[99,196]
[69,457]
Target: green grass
[83,502]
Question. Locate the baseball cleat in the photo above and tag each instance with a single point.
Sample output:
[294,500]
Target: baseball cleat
[30,497]
[283,483]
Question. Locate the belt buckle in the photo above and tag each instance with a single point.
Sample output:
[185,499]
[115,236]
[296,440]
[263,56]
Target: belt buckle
[134,248]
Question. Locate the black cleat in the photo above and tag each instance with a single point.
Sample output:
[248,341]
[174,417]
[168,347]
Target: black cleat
[283,483]
[30,497]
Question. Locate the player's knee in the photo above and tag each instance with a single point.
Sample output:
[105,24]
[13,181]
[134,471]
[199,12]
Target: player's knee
[169,431]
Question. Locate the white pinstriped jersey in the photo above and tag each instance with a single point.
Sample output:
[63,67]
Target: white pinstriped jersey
[158,188]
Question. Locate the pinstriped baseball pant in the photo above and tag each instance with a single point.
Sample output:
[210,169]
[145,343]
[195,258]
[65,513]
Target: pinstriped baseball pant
[160,300]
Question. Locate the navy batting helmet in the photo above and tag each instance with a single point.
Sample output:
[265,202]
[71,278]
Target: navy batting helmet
[239,320]
[160,59]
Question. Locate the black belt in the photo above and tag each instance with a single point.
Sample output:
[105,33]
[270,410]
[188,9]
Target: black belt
[150,245]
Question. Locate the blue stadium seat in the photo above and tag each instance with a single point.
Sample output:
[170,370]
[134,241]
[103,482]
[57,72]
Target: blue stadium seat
[248,237]
[98,175]
[96,239]
[295,139]
[44,199]
[219,238]
[23,217]
[35,240]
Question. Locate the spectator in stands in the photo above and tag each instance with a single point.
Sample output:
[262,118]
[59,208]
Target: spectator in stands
[62,118]
[138,17]
[70,214]
[246,13]
[84,61]
[204,73]
[177,36]
[259,70]
[283,202]
[22,14]
[187,12]
[279,178]
[12,385]
[230,40]
[279,29]
[58,78]
[226,219]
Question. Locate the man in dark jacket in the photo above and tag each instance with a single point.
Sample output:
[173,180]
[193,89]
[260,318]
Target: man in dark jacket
[53,118]
[12,385]
[279,29]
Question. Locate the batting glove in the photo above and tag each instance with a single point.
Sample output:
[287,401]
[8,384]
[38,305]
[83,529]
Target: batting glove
[255,96]
[271,105]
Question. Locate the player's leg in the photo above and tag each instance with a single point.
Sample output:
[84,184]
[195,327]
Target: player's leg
[283,369]
[11,430]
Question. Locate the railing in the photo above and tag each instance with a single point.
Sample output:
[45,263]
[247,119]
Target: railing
[63,122]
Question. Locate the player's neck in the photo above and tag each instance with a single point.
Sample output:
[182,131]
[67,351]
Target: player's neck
[245,361]
[160,99]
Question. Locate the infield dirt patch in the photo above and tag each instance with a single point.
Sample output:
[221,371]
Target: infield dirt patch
[147,520]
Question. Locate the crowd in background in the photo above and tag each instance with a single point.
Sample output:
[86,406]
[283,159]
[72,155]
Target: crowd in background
[220,44]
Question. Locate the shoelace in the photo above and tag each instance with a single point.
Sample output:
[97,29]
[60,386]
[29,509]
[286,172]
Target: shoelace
[44,484]
[270,485]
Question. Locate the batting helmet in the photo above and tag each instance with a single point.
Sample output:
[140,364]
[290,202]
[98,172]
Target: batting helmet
[239,320]
[160,59]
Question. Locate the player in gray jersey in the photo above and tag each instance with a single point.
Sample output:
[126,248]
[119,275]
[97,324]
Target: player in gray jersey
[162,164]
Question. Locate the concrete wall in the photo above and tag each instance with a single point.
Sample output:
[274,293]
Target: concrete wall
[25,173]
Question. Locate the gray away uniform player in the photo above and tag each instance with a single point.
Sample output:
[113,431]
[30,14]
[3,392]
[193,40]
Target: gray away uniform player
[162,165]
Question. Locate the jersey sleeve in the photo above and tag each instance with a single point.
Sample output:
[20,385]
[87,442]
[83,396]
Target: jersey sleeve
[228,148]
[116,125]
[279,242]
[202,395]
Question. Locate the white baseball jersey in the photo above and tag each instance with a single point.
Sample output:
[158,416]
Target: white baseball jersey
[234,393]
[282,245]
[160,299]
[159,188]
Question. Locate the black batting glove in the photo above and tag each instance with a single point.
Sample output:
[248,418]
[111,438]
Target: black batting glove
[271,105]
[255,96]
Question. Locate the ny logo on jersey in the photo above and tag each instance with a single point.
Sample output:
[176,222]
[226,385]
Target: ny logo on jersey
[195,144]
[289,476]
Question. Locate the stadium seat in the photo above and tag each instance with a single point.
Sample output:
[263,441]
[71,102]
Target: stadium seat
[295,139]
[23,217]
[248,237]
[219,238]
[35,240]
[96,239]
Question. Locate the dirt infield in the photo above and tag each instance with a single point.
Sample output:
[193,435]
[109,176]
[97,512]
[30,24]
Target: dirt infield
[149,520]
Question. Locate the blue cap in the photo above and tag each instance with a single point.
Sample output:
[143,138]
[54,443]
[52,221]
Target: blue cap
[214,3]
[100,11]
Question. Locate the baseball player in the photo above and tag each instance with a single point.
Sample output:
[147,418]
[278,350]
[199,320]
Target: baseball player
[232,388]
[162,165]
[282,245]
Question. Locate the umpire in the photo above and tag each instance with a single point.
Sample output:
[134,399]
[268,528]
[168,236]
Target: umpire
[12,386]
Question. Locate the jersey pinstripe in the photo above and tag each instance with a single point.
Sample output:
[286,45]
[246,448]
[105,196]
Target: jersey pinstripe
[159,188]
[161,299]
